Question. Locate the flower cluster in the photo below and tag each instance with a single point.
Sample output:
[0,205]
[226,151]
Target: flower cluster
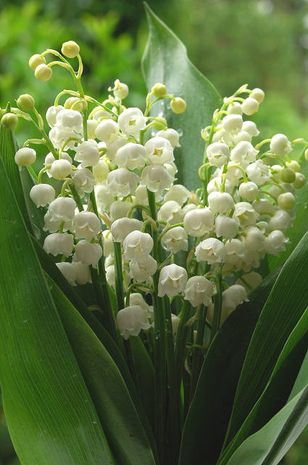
[112,206]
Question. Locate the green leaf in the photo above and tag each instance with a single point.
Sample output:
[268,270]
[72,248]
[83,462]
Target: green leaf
[269,445]
[282,311]
[165,60]
[302,378]
[208,417]
[279,386]
[112,400]
[50,414]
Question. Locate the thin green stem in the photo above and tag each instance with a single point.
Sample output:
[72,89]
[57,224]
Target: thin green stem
[217,306]
[198,353]
[119,274]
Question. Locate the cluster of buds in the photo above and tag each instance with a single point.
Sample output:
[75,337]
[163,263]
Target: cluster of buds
[111,202]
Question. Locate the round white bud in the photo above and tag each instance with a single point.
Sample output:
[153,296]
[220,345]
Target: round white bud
[25,156]
[250,106]
[251,128]
[42,194]
[248,191]
[199,291]
[131,320]
[198,222]
[60,169]
[232,123]
[280,144]
[36,60]
[220,202]
[280,220]
[286,200]
[257,94]
[43,72]
[210,250]
[172,280]
[59,244]
[70,49]
[178,105]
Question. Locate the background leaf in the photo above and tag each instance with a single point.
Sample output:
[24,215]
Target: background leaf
[282,311]
[165,60]
[49,411]
[208,417]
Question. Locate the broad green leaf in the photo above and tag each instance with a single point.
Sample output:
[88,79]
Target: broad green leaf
[302,378]
[165,60]
[269,445]
[282,311]
[109,392]
[50,414]
[279,386]
[208,417]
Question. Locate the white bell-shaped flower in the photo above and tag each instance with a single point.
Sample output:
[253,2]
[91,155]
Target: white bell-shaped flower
[275,242]
[86,225]
[119,209]
[280,144]
[254,239]
[59,244]
[88,253]
[75,272]
[137,245]
[87,153]
[83,181]
[131,320]
[232,123]
[226,227]
[159,150]
[199,291]
[210,250]
[171,135]
[60,213]
[25,156]
[51,114]
[198,222]
[132,121]
[170,212]
[122,182]
[179,193]
[234,252]
[69,119]
[232,297]
[175,240]
[107,243]
[257,94]
[172,280]
[107,130]
[280,220]
[217,154]
[141,270]
[42,194]
[251,128]
[156,178]
[243,153]
[220,202]
[245,214]
[250,280]
[131,156]
[137,299]
[258,172]
[101,171]
[248,191]
[123,226]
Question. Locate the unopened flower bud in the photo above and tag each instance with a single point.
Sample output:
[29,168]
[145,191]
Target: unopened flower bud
[159,90]
[286,201]
[60,169]
[43,72]
[257,94]
[36,60]
[300,180]
[232,123]
[287,175]
[178,105]
[9,121]
[25,102]
[220,202]
[70,49]
[280,144]
[25,156]
[250,106]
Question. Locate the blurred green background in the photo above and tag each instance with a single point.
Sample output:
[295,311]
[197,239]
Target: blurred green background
[261,42]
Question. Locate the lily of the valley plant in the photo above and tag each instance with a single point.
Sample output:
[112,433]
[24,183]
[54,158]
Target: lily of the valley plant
[153,281]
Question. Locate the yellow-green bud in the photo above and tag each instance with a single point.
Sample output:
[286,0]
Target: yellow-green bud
[159,122]
[159,90]
[43,72]
[9,121]
[287,175]
[75,103]
[36,60]
[178,105]
[286,201]
[306,154]
[299,180]
[25,102]
[294,165]
[70,49]
[120,89]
